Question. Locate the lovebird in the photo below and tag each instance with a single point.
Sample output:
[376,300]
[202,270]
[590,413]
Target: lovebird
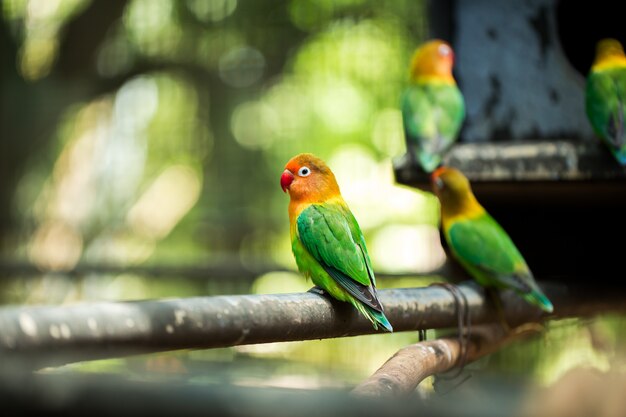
[433,108]
[479,243]
[605,97]
[326,239]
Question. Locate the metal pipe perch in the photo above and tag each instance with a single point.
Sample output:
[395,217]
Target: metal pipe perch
[43,336]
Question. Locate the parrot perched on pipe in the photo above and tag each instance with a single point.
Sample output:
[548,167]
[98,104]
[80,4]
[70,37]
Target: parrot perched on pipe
[433,108]
[606,97]
[479,243]
[326,240]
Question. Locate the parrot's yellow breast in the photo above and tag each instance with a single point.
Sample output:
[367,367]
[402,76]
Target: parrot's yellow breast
[610,62]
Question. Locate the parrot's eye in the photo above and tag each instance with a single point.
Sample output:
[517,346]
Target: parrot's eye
[304,172]
[439,183]
[444,50]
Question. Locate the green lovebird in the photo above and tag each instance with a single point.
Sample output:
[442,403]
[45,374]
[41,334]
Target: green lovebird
[479,243]
[326,239]
[606,97]
[433,108]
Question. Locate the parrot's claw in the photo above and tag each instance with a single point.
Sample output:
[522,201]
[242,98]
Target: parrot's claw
[464,322]
[317,290]
[421,334]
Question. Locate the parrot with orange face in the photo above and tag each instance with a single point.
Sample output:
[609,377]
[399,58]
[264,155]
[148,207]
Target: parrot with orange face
[479,243]
[433,108]
[326,239]
[606,97]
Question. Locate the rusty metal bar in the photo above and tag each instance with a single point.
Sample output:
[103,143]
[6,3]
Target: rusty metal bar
[61,334]
[408,367]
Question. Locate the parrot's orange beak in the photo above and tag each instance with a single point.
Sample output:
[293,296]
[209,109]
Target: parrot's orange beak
[286,179]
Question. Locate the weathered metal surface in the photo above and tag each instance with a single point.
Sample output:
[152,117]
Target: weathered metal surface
[537,162]
[401,374]
[52,335]
[516,78]
[524,85]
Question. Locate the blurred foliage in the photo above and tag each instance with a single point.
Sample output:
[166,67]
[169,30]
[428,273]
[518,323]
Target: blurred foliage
[154,132]
[199,105]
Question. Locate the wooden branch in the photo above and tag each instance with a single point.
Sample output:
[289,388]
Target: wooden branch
[402,373]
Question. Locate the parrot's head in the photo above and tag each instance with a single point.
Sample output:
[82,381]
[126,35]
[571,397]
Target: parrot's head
[308,178]
[451,186]
[433,61]
[608,51]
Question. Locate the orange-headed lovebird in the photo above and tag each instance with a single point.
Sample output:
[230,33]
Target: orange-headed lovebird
[606,97]
[479,243]
[433,108]
[326,239]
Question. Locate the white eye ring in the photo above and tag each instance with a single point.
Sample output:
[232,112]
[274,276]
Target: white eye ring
[304,172]
[439,183]
[444,50]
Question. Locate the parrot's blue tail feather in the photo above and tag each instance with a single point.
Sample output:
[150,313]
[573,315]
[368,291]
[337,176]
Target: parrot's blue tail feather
[379,318]
[537,298]
[376,317]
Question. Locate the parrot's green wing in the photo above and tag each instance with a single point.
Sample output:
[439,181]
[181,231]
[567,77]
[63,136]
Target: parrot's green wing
[332,236]
[432,115]
[483,244]
[606,104]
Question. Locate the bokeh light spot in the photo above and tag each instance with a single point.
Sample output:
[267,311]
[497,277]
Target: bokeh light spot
[241,67]
[342,105]
[36,57]
[56,246]
[212,10]
[280,283]
[254,125]
[407,248]
[388,133]
[165,202]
